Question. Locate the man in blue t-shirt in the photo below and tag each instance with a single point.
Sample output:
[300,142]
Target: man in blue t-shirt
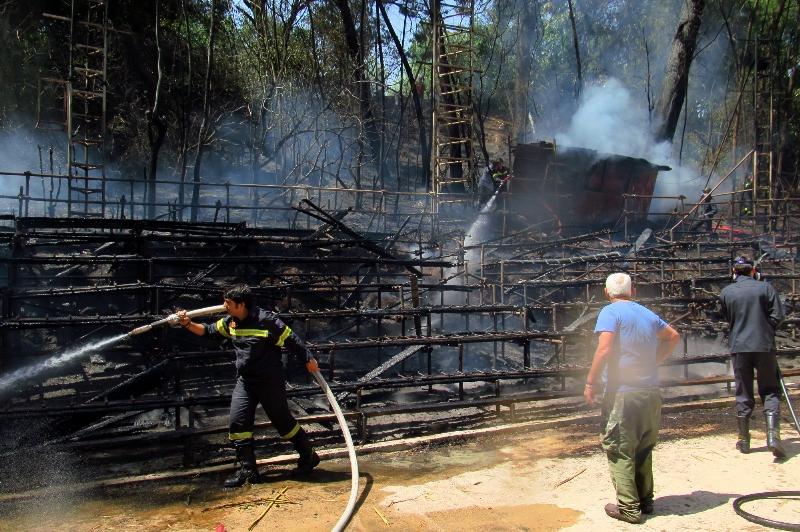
[632,342]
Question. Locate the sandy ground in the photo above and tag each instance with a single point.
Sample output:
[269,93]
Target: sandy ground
[548,480]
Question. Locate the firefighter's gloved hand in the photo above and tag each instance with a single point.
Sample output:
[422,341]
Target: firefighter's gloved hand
[312,365]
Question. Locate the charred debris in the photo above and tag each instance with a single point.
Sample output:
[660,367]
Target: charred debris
[425,315]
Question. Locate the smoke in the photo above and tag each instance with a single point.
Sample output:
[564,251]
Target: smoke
[27,150]
[610,120]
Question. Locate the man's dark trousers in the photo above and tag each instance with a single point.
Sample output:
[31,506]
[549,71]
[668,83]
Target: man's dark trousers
[271,393]
[769,388]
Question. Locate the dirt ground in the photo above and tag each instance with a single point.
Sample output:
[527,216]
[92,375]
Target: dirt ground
[553,479]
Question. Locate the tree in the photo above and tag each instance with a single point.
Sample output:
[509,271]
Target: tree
[529,11]
[676,80]
[202,135]
[579,70]
[156,129]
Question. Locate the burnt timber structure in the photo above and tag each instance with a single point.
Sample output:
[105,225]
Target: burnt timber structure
[581,184]
[414,335]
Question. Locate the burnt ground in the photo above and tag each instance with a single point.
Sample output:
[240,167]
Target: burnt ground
[528,479]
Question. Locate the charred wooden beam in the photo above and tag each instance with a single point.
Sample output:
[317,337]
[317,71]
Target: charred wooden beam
[258,259]
[362,242]
[416,381]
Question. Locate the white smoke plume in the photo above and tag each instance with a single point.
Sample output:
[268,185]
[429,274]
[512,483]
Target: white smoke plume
[611,121]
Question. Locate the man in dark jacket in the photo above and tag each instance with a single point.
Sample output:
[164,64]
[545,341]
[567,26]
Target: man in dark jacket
[754,310]
[257,337]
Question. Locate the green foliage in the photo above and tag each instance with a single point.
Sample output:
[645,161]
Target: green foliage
[270,55]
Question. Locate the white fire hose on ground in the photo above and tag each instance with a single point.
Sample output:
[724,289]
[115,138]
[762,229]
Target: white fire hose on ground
[351,504]
[172,319]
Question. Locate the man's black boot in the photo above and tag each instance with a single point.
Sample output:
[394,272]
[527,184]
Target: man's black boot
[309,459]
[743,443]
[774,434]
[248,470]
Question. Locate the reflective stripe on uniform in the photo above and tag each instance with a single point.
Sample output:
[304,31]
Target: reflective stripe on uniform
[284,335]
[292,433]
[238,436]
[261,333]
[221,328]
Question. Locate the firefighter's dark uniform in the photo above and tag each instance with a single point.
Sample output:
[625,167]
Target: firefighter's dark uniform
[754,310]
[707,212]
[260,378]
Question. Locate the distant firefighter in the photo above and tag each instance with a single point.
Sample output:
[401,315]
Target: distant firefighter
[632,342]
[754,310]
[706,211]
[493,177]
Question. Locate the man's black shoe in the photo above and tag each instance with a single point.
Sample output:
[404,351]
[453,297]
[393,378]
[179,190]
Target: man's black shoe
[612,510]
[306,464]
[646,506]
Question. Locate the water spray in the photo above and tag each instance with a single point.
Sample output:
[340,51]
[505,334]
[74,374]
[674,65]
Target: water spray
[28,372]
[7,382]
[490,204]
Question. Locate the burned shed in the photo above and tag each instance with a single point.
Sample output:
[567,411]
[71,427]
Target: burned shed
[581,186]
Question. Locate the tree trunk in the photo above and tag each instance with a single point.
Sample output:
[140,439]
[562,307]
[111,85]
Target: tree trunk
[579,81]
[423,143]
[356,51]
[201,136]
[156,130]
[526,29]
[676,77]
[184,111]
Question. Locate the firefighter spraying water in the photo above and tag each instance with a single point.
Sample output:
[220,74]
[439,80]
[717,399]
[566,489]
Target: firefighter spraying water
[258,336]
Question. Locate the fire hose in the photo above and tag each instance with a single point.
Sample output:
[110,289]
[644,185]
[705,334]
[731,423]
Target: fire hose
[788,400]
[351,451]
[764,521]
[793,495]
[172,319]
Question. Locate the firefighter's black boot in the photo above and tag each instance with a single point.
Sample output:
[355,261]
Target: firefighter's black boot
[774,434]
[309,459]
[743,443]
[248,470]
